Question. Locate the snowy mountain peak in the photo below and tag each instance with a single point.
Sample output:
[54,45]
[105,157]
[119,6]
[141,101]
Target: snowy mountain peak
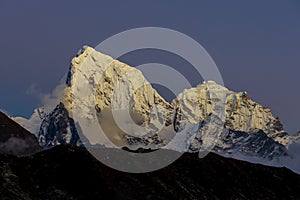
[133,114]
[119,87]
[242,113]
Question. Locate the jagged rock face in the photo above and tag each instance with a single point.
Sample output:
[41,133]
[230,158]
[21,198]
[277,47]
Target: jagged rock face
[14,139]
[211,136]
[121,90]
[195,105]
[256,144]
[108,76]
[58,128]
[242,114]
[248,129]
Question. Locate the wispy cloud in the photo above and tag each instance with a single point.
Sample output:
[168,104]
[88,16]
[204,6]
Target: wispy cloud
[51,99]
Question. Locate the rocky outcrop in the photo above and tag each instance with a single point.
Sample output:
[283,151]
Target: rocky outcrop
[242,113]
[58,128]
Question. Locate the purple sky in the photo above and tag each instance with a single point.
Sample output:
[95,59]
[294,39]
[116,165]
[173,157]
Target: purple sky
[255,44]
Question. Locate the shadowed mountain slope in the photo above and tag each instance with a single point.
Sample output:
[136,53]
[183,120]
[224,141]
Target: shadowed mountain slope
[65,172]
[14,139]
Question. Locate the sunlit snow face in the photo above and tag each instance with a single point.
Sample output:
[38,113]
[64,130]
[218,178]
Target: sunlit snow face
[114,105]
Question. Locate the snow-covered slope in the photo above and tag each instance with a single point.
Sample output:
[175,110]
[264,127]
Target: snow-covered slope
[117,90]
[242,113]
[32,124]
[249,128]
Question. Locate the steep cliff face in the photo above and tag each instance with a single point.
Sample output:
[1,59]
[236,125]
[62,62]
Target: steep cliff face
[117,92]
[124,102]
[242,113]
[117,85]
[247,129]
[239,144]
[58,128]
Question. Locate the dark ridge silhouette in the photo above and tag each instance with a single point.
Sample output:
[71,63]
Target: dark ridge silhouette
[14,139]
[66,172]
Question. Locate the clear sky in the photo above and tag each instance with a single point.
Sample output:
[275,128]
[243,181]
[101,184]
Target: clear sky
[255,44]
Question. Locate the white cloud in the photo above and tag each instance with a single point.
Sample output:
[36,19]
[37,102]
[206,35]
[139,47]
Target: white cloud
[48,101]
[51,99]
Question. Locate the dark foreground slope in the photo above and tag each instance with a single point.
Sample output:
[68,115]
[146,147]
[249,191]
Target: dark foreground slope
[14,139]
[71,173]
